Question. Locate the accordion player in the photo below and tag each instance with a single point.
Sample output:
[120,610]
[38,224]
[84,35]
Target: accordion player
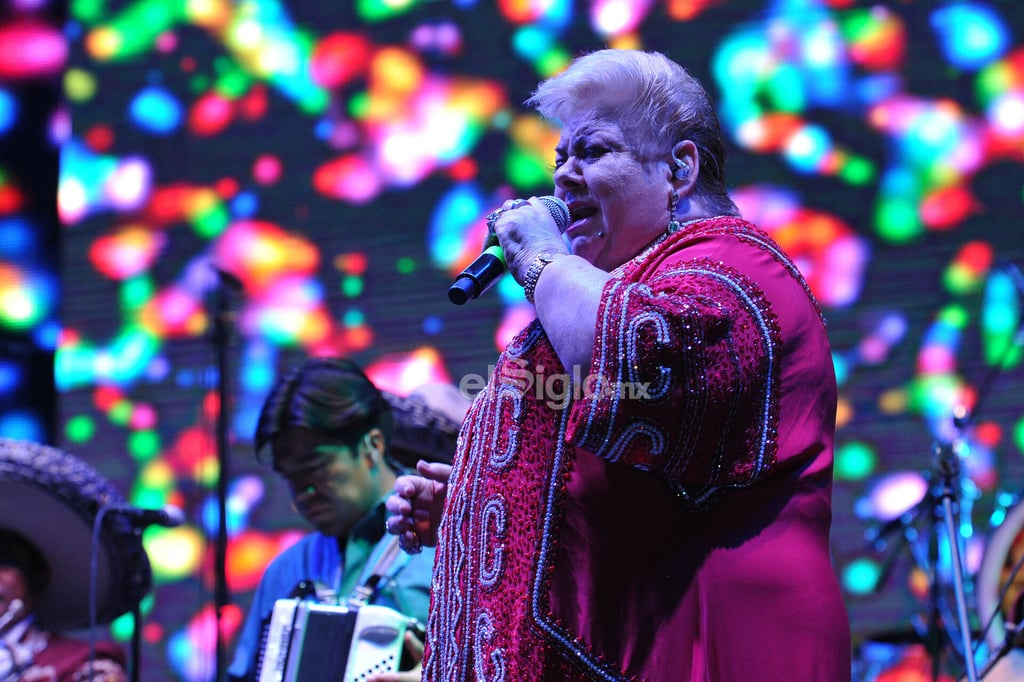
[309,638]
[310,641]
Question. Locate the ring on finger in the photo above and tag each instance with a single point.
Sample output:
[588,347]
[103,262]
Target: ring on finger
[492,217]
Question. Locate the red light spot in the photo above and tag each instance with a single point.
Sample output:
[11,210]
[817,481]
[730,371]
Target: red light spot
[338,58]
[99,138]
[254,105]
[989,434]
[946,208]
[226,188]
[153,633]
[210,114]
[463,170]
[352,263]
[977,256]
[11,199]
[105,397]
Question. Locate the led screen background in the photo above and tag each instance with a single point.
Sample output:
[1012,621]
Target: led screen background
[338,159]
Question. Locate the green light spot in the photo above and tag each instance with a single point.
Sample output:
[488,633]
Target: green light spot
[352,286]
[135,292]
[80,429]
[87,11]
[527,170]
[554,61]
[121,413]
[854,461]
[144,445]
[405,265]
[379,10]
[149,498]
[358,105]
[1018,434]
[955,316]
[897,221]
[211,221]
[858,171]
[233,84]
[785,90]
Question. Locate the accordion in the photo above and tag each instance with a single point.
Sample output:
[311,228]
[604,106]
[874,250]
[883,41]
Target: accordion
[308,641]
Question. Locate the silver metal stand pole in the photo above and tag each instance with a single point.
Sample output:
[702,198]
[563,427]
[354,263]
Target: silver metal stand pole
[949,468]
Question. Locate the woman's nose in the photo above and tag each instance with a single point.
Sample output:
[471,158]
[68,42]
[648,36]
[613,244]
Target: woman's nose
[567,174]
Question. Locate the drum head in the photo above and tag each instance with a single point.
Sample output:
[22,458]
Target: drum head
[1003,549]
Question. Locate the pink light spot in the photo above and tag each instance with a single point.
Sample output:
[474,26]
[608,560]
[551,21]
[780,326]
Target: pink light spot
[267,169]
[30,49]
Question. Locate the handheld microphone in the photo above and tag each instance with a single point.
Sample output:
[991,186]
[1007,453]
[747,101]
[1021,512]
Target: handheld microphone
[483,272]
[168,517]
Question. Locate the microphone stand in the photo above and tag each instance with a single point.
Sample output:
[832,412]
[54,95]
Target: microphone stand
[223,319]
[947,465]
[136,641]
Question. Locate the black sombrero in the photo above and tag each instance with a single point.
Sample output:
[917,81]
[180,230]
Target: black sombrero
[427,423]
[52,499]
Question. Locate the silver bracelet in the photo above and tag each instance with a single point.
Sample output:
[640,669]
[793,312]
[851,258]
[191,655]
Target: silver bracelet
[533,272]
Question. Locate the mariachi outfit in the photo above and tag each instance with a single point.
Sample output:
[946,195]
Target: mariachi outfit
[30,653]
[665,517]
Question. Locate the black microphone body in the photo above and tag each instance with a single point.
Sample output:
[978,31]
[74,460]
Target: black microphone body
[483,272]
[168,517]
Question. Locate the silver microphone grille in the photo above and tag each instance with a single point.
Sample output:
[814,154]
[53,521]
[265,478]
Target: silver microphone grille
[558,210]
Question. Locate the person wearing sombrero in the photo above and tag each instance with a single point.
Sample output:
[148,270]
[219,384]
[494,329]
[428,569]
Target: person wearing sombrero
[339,444]
[49,507]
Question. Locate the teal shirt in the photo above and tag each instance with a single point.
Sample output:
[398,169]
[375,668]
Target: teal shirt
[316,558]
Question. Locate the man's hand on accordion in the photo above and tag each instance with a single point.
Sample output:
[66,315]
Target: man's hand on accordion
[414,650]
[415,505]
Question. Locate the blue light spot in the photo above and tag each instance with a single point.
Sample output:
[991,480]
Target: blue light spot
[11,375]
[808,149]
[432,325]
[323,129]
[47,334]
[21,425]
[156,110]
[971,35]
[842,368]
[17,238]
[8,110]
[532,42]
[244,205]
